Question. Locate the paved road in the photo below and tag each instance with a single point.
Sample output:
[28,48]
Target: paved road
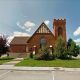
[39,75]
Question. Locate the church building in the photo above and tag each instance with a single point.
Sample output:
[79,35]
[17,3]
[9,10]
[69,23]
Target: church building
[41,36]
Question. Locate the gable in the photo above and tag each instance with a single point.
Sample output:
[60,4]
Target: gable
[43,29]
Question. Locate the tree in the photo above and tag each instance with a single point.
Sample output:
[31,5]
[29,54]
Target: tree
[72,48]
[3,46]
[60,48]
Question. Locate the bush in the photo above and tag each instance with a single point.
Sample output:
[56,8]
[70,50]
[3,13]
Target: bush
[31,55]
[44,54]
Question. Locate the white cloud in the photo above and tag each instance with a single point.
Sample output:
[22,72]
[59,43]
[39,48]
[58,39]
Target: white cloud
[10,39]
[47,22]
[77,32]
[77,41]
[27,26]
[19,25]
[29,29]
[16,34]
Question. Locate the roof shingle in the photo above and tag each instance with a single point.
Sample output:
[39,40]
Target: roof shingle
[19,40]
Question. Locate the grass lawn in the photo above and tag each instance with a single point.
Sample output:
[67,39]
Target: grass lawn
[52,63]
[5,59]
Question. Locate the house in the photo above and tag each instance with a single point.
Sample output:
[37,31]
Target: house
[42,36]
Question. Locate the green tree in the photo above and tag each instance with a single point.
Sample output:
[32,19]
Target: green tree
[72,48]
[60,48]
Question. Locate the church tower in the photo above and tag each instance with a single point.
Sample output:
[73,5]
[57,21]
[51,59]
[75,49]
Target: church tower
[59,26]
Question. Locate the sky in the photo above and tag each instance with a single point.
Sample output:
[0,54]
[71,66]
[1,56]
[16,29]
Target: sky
[23,17]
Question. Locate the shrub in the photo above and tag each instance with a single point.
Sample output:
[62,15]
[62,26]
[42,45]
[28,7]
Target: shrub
[31,55]
[44,54]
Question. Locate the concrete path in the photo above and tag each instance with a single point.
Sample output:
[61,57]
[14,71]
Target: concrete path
[14,61]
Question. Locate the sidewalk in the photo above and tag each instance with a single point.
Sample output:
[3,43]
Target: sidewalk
[12,67]
[14,61]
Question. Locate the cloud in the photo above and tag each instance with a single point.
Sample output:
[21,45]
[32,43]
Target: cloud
[29,29]
[77,41]
[77,32]
[27,26]
[47,22]
[19,25]
[9,39]
[16,34]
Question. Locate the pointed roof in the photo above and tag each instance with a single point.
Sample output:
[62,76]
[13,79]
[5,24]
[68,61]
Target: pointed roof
[42,29]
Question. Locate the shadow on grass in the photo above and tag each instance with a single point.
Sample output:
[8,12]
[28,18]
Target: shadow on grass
[28,58]
[6,58]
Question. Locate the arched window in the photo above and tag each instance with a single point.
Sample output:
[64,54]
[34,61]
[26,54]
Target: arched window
[59,31]
[43,42]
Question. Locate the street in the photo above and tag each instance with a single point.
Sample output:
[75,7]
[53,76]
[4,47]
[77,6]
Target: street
[39,75]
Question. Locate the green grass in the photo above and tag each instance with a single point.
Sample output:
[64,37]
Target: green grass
[52,63]
[5,59]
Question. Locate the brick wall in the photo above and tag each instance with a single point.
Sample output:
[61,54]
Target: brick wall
[18,48]
[59,23]
[35,40]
